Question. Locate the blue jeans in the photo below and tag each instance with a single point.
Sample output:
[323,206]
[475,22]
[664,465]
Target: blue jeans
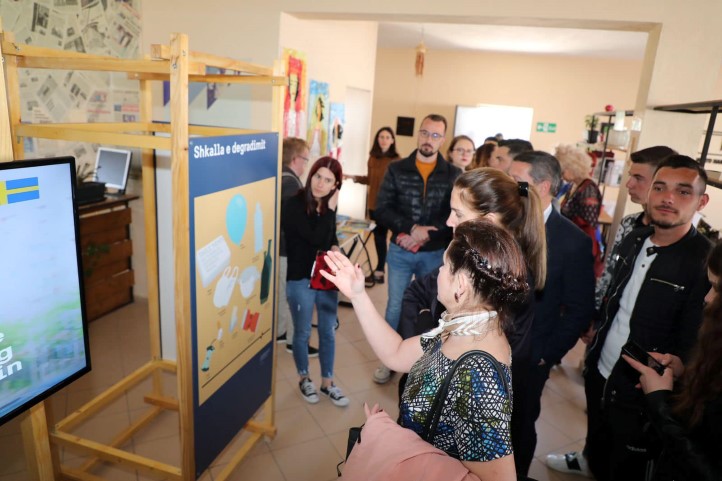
[301,300]
[402,265]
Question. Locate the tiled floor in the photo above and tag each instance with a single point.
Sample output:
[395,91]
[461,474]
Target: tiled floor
[311,438]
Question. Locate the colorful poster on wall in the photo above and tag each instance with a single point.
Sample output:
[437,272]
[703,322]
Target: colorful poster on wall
[336,124]
[233,185]
[294,105]
[317,135]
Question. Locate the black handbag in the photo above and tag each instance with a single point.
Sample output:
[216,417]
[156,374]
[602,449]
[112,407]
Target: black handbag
[432,421]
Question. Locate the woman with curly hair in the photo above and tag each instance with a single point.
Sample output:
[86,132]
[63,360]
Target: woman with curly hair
[583,201]
[481,283]
[688,423]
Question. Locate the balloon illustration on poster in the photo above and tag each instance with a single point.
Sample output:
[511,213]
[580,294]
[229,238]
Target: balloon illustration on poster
[236,216]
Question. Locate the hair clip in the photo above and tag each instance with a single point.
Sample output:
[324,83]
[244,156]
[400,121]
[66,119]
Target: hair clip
[481,262]
[523,188]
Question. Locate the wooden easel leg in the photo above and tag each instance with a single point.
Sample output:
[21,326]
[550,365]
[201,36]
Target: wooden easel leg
[42,462]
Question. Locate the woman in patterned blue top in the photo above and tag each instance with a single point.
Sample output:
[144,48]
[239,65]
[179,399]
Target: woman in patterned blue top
[482,280]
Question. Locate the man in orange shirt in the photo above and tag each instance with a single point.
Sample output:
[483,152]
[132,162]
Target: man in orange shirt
[414,203]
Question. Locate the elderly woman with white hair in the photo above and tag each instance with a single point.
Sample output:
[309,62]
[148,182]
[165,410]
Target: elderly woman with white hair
[583,201]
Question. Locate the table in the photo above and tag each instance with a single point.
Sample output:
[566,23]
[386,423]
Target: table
[605,221]
[352,235]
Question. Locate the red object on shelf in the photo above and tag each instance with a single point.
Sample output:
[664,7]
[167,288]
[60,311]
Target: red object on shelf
[609,108]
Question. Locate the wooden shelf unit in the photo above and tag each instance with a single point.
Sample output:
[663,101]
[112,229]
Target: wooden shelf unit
[108,275]
[710,107]
[179,65]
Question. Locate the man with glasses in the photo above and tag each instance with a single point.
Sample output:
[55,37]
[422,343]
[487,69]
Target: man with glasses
[295,158]
[413,202]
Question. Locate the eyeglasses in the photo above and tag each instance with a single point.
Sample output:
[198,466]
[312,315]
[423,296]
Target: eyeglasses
[426,134]
[464,151]
[305,159]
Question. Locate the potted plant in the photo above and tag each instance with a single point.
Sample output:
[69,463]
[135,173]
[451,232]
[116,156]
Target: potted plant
[591,121]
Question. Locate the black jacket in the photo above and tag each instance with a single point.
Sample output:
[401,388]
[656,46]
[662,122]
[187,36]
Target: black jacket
[668,309]
[306,234]
[290,185]
[401,201]
[564,308]
[687,454]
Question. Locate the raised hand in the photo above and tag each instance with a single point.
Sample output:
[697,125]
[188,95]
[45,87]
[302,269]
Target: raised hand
[347,277]
[649,380]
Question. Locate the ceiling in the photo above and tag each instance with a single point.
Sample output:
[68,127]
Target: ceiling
[502,38]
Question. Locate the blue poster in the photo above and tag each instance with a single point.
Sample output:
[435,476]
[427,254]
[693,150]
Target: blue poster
[232,185]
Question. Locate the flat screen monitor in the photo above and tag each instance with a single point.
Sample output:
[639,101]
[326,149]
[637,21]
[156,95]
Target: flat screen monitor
[112,167]
[43,328]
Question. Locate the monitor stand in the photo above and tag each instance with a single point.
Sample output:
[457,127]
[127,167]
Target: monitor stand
[115,194]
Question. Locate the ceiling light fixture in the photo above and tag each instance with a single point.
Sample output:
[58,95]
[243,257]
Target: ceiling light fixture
[420,55]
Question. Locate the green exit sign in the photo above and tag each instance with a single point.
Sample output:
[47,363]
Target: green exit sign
[549,127]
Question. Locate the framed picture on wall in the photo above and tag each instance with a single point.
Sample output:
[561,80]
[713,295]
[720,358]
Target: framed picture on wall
[405,126]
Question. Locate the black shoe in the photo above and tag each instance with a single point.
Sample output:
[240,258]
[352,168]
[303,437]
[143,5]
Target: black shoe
[312,351]
[281,338]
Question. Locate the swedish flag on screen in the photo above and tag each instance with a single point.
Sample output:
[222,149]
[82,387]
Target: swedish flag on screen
[19,190]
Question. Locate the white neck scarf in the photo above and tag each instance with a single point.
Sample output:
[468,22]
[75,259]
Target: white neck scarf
[464,325]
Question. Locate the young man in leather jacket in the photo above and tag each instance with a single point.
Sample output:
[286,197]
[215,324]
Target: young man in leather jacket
[655,298]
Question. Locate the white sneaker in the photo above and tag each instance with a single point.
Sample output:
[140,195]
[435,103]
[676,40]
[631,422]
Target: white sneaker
[308,391]
[571,463]
[382,374]
[335,395]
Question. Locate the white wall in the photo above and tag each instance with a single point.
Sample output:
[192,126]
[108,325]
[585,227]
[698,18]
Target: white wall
[342,53]
[560,89]
[682,61]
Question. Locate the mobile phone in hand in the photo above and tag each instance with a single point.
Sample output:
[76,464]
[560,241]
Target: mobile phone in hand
[636,352]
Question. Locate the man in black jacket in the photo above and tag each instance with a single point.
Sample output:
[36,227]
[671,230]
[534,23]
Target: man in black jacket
[413,202]
[562,310]
[655,298]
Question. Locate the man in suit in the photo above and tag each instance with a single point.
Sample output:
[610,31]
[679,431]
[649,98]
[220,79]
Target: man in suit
[564,307]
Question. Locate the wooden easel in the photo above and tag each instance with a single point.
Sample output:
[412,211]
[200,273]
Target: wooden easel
[179,65]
